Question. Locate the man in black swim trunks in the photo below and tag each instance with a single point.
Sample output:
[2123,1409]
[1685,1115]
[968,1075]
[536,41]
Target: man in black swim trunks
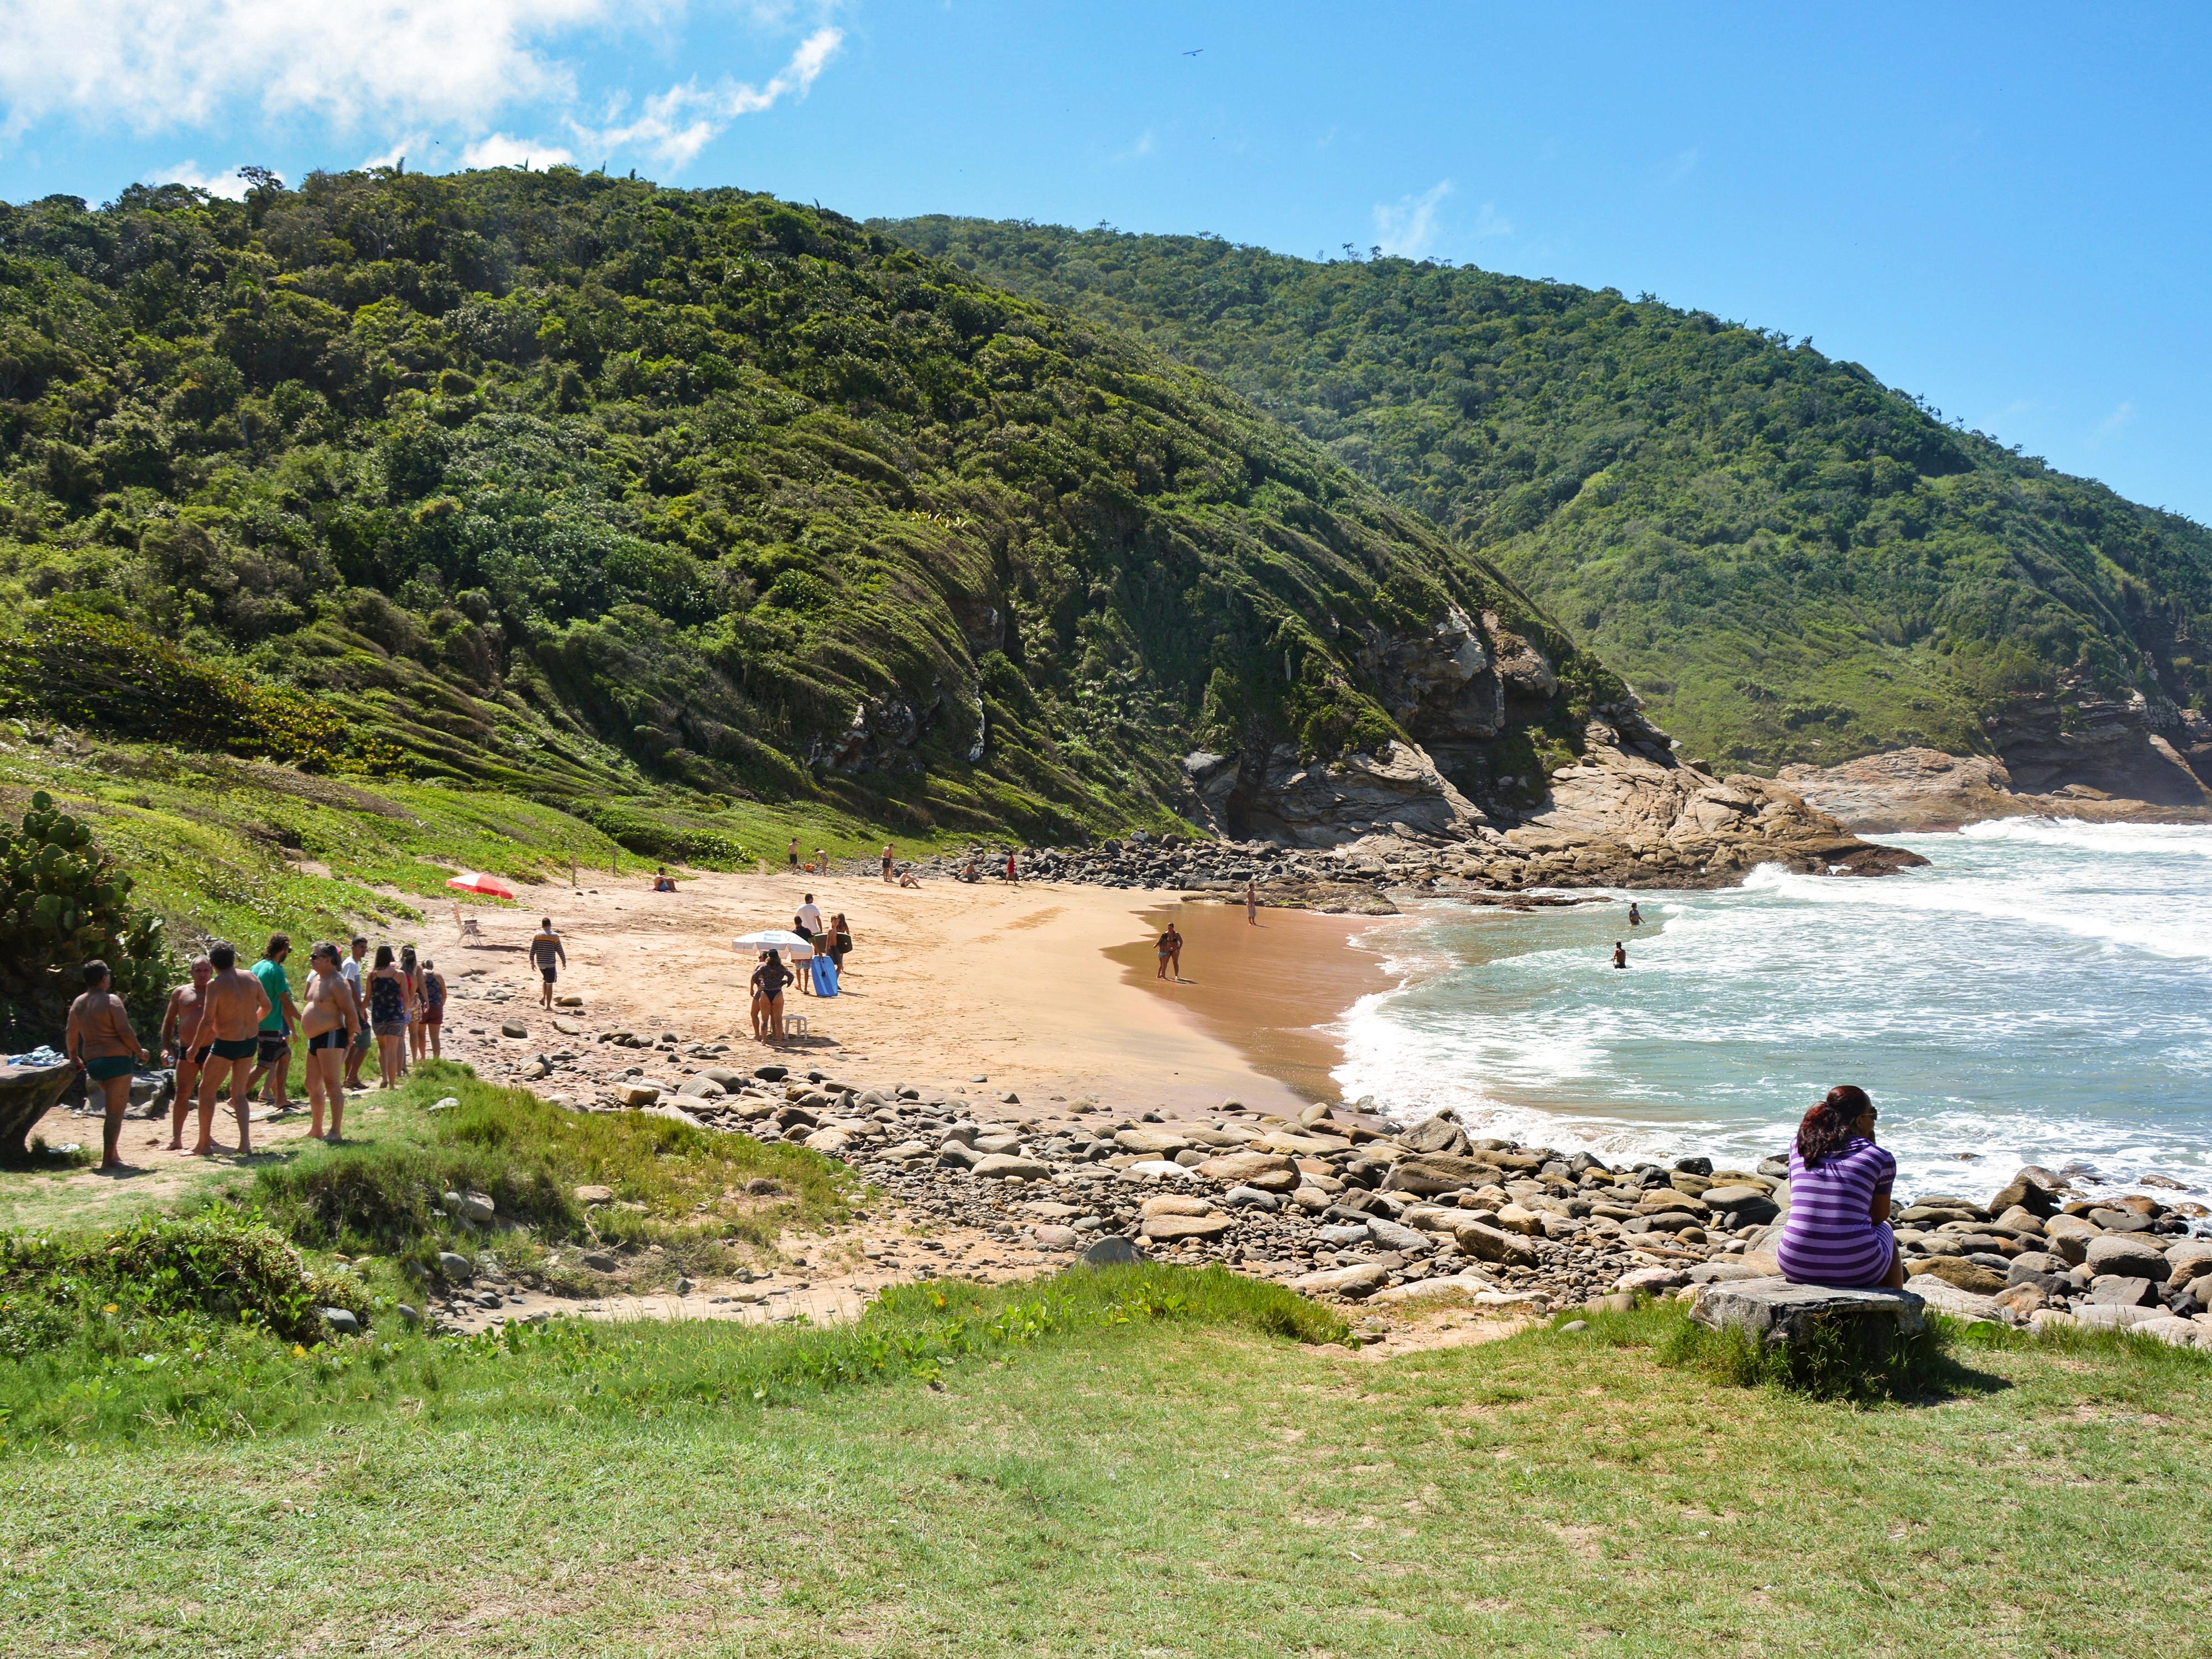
[236,1005]
[180,1038]
[547,955]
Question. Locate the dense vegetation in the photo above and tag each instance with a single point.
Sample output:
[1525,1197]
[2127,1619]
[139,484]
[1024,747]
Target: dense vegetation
[643,503]
[1788,560]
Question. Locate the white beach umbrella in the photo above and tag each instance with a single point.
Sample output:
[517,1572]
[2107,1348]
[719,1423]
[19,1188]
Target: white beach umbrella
[775,939]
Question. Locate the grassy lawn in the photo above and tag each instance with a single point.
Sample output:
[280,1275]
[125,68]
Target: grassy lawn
[1175,1483]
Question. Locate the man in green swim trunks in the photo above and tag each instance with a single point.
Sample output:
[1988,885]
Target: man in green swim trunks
[273,1052]
[236,1005]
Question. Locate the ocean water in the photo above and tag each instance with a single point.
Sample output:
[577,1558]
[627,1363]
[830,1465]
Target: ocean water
[2040,993]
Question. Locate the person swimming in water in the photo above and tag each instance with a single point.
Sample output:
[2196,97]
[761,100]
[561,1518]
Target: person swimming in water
[1635,916]
[1619,954]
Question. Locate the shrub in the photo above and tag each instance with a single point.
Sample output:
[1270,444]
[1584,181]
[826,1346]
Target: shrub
[62,904]
[1832,1363]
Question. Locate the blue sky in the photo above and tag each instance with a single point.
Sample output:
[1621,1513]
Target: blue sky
[2001,209]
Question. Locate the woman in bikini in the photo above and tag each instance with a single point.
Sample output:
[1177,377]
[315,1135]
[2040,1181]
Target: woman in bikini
[418,1039]
[327,1020]
[387,1017]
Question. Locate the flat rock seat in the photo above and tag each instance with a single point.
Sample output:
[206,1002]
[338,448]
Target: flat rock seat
[26,1093]
[1777,1311]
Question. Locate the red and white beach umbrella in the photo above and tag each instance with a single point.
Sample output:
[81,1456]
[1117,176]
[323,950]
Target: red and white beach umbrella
[472,881]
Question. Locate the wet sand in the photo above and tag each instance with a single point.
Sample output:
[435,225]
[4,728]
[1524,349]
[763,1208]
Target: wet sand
[1269,989]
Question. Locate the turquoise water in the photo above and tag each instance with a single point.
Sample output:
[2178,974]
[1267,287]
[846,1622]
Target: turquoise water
[2041,993]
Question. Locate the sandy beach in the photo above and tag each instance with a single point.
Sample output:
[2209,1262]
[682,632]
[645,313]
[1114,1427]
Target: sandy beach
[1048,991]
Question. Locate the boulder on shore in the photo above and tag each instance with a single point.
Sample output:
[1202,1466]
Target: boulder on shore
[1774,1310]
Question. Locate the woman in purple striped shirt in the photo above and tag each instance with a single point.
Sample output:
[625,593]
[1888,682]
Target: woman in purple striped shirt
[1838,1228]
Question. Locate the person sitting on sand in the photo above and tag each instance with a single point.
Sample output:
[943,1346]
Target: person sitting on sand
[100,1041]
[1837,1232]
[662,881]
[907,877]
[970,873]
[180,1038]
[327,1019]
[236,1005]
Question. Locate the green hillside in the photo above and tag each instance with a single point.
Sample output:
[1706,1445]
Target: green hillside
[647,504]
[1789,560]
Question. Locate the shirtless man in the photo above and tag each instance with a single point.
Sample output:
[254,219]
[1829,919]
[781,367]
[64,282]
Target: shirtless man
[1251,903]
[890,858]
[100,1041]
[236,1005]
[180,1037]
[1619,954]
[327,1019]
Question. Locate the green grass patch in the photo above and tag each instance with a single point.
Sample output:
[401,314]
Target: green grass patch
[1169,1483]
[676,1186]
[1830,1362]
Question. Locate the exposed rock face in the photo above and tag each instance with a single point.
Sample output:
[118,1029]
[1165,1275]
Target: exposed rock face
[1630,814]
[1908,789]
[2117,746]
[1440,684]
[1330,803]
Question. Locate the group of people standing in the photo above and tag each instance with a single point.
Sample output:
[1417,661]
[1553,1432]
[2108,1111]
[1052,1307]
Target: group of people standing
[829,940]
[228,1028]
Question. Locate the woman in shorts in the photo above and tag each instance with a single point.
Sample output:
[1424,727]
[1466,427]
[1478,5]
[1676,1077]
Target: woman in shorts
[387,1017]
[327,1021]
[418,1039]
[434,1006]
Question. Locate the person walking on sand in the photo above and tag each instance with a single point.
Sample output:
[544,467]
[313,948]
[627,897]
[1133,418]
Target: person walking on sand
[180,1038]
[841,943]
[356,953]
[794,855]
[1251,904]
[387,1017]
[1012,874]
[434,1008]
[548,956]
[237,1004]
[890,859]
[1619,954]
[273,1052]
[100,1041]
[327,1019]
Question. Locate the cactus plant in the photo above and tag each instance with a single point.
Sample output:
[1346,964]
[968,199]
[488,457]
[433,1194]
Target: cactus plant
[63,902]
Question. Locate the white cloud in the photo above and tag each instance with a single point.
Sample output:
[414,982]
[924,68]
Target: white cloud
[226,184]
[497,150]
[677,124]
[1406,228]
[387,66]
[2113,424]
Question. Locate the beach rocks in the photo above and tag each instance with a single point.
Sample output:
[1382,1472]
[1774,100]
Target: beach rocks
[1353,1283]
[1009,1166]
[1432,1173]
[1439,1133]
[2123,1291]
[2135,1258]
[1270,1172]
[1150,1143]
[1111,1251]
[1961,1273]
[1167,1229]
